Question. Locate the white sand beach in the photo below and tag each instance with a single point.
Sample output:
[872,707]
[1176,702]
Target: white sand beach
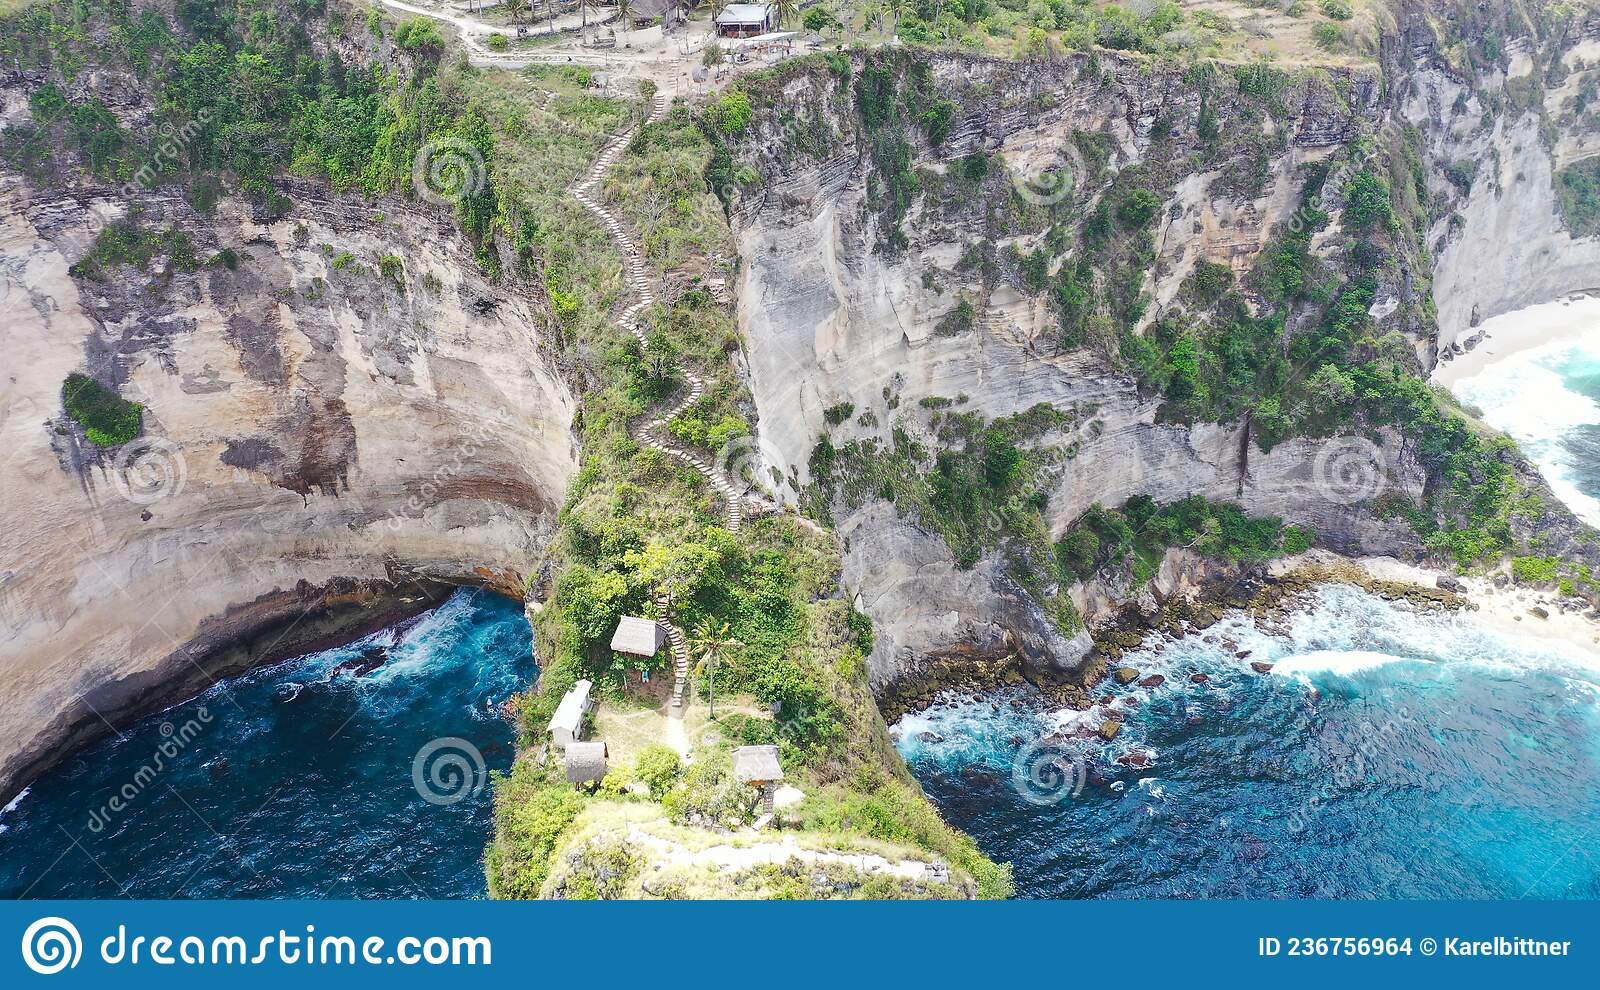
[1513,333]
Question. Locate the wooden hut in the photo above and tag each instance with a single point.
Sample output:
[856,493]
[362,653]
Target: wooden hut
[759,766]
[586,763]
[638,637]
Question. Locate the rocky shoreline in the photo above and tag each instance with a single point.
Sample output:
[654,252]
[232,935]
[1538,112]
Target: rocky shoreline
[1267,596]
[279,626]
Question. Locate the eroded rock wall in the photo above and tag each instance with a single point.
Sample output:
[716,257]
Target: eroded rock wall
[321,437]
[831,318]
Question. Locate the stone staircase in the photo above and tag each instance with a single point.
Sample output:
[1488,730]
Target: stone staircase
[654,433]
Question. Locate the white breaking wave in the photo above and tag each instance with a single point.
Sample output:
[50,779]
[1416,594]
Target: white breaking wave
[1526,397]
[1340,662]
[12,806]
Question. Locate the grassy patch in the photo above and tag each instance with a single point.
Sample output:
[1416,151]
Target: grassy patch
[106,417]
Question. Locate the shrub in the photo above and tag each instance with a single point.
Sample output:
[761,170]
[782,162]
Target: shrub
[731,112]
[1534,570]
[530,819]
[1578,193]
[498,42]
[1339,10]
[419,34]
[106,417]
[1367,203]
[1138,208]
[393,269]
[657,768]
[817,19]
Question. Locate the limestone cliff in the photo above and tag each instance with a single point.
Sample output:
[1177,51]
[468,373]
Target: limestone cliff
[321,427]
[859,317]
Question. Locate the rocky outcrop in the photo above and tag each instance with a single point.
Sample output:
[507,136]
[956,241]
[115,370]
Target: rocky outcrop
[926,609]
[1502,244]
[337,405]
[831,319]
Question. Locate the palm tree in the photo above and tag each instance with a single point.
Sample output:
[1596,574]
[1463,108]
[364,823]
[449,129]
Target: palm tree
[896,7]
[625,13]
[713,645]
[783,10]
[515,9]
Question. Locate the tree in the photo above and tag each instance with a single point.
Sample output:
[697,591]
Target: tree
[895,7]
[659,353]
[625,13]
[712,645]
[713,56]
[782,10]
[516,8]
[658,768]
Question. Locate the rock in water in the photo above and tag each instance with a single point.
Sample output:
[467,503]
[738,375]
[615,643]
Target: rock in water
[1539,612]
[1261,668]
[1125,675]
[1198,678]
[1109,729]
[1445,582]
[370,659]
[1153,681]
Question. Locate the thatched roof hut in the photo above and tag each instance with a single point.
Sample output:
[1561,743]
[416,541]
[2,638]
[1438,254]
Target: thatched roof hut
[639,637]
[586,762]
[757,765]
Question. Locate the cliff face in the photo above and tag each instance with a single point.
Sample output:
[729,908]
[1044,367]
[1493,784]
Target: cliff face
[831,319]
[1503,131]
[1477,109]
[324,431]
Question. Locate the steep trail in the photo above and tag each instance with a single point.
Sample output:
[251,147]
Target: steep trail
[653,434]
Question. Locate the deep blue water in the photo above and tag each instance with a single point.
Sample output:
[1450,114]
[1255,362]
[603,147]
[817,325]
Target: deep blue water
[293,780]
[1388,755]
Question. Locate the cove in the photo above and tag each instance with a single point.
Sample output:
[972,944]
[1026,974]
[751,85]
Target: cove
[295,780]
[1388,754]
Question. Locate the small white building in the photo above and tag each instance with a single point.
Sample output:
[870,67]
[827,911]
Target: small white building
[746,20]
[639,637]
[566,727]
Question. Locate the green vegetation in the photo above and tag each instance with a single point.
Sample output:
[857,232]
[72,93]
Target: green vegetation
[106,417]
[252,97]
[533,808]
[127,243]
[658,768]
[1142,531]
[637,523]
[1578,193]
[1534,570]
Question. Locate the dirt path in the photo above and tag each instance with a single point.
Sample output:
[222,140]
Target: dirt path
[654,433]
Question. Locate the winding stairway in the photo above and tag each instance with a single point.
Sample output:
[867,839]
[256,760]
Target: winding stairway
[654,433]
